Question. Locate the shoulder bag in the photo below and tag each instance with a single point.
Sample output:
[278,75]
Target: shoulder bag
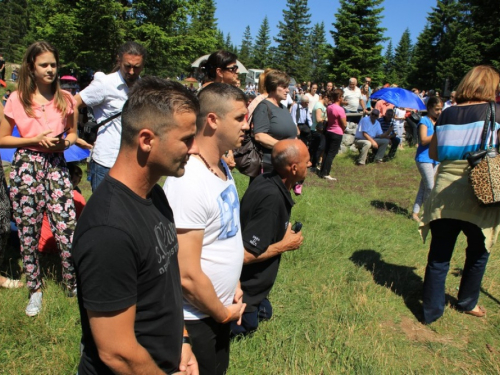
[90,128]
[248,157]
[484,174]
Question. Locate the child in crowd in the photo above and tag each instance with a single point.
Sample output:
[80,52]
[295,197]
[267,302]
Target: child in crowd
[39,176]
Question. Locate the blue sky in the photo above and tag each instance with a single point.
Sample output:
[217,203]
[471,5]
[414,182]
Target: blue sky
[234,15]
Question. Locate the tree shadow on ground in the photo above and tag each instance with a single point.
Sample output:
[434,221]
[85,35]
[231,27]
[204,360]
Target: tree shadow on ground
[457,272]
[391,207]
[402,280]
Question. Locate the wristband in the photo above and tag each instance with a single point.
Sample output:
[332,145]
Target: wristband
[186,340]
[67,145]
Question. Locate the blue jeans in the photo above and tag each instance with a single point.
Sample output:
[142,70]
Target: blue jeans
[97,173]
[250,320]
[444,235]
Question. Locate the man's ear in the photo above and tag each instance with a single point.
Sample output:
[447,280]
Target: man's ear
[293,168]
[212,120]
[147,140]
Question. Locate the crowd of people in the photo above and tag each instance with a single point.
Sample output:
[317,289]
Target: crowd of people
[166,276]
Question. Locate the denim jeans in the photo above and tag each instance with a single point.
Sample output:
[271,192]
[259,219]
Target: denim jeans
[427,171]
[97,173]
[250,320]
[444,235]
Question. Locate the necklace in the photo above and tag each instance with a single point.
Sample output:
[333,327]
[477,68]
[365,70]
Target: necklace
[210,168]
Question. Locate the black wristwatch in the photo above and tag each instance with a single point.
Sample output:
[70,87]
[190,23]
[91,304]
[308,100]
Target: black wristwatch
[186,340]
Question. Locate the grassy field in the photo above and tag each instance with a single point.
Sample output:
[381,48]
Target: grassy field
[347,302]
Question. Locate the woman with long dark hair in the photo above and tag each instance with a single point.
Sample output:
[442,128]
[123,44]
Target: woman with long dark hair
[39,176]
[452,207]
[426,166]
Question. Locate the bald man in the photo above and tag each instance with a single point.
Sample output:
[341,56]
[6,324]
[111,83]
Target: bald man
[267,231]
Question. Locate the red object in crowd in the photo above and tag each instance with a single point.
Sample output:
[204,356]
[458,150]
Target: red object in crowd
[47,243]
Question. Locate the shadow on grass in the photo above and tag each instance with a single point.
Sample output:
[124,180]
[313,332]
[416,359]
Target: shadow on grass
[402,280]
[391,207]
[457,272]
[50,264]
[10,265]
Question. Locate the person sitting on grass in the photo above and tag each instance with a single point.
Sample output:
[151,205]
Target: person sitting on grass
[369,135]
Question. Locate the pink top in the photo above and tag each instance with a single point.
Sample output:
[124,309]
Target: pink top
[334,113]
[47,117]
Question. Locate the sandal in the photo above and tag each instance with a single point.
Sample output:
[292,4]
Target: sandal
[478,314]
[11,284]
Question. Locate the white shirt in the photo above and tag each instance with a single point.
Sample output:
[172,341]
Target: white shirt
[313,99]
[304,115]
[201,200]
[352,97]
[366,125]
[287,102]
[106,94]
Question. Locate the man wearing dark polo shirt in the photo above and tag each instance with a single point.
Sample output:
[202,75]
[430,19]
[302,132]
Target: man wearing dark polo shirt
[267,231]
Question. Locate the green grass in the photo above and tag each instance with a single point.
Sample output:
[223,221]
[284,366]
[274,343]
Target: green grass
[347,302]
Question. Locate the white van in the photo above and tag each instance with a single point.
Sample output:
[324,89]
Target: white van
[253,76]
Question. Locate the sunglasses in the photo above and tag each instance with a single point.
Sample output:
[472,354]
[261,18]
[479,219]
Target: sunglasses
[232,69]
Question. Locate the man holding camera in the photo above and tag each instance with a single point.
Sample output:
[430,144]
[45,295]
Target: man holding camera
[267,231]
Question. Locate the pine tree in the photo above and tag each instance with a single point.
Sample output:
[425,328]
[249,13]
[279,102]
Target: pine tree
[245,55]
[358,37]
[402,59]
[388,59]
[14,24]
[261,54]
[436,44]
[293,49]
[319,53]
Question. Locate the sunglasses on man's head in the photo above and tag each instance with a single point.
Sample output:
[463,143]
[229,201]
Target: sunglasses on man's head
[232,69]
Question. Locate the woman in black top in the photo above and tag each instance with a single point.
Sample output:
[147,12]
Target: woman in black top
[271,121]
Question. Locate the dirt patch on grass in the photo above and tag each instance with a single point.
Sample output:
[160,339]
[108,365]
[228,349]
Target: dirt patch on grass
[418,332]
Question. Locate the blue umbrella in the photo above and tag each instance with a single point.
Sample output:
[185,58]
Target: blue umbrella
[400,98]
[74,153]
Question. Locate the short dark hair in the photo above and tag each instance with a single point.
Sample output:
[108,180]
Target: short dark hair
[151,104]
[433,101]
[219,59]
[131,48]
[274,79]
[334,95]
[216,98]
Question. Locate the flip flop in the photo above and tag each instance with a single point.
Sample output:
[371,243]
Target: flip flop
[11,284]
[479,314]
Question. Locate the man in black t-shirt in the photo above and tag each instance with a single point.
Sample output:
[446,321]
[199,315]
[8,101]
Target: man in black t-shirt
[267,232]
[125,244]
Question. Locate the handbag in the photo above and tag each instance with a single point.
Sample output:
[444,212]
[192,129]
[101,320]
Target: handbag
[248,157]
[484,174]
[90,128]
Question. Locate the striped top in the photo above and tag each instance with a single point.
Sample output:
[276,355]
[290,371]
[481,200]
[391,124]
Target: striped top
[459,129]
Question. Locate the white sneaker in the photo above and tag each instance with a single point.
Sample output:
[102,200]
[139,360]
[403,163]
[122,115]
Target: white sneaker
[330,178]
[35,304]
